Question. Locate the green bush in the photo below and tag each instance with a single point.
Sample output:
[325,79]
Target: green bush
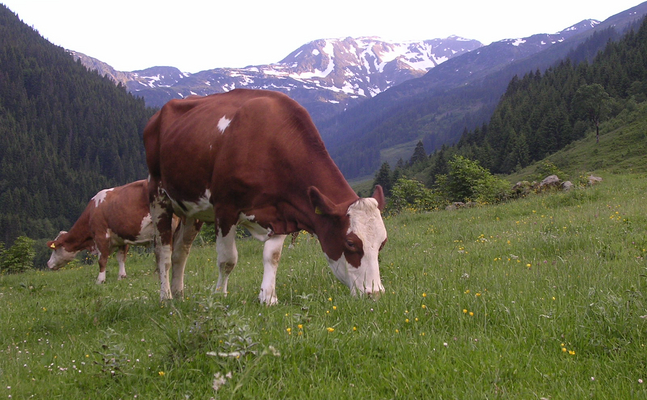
[547,168]
[468,180]
[19,257]
[412,194]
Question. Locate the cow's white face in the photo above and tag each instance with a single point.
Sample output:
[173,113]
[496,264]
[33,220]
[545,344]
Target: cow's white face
[358,267]
[60,257]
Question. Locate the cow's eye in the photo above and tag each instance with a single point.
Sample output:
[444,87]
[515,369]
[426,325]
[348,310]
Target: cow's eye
[350,245]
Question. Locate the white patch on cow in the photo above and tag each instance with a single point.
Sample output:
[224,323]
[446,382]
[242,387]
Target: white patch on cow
[60,257]
[101,196]
[146,230]
[201,209]
[365,222]
[257,231]
[223,124]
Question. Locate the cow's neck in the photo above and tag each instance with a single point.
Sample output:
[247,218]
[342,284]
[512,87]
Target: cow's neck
[79,237]
[330,182]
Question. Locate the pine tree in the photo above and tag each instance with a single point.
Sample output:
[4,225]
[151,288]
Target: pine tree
[419,154]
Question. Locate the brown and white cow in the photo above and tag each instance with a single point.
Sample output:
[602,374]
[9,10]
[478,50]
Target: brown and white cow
[255,158]
[112,220]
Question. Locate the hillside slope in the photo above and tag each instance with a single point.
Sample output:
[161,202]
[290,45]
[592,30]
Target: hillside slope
[65,133]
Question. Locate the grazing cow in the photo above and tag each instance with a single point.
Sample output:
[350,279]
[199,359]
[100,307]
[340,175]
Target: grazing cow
[113,219]
[255,158]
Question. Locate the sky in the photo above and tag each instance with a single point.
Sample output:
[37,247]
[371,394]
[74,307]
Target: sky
[193,35]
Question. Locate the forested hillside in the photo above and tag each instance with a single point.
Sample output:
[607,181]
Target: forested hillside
[460,93]
[65,133]
[542,113]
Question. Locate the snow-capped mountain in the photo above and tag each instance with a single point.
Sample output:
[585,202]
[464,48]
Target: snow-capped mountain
[326,75]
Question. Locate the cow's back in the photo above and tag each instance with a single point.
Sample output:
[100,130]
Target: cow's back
[123,211]
[244,147]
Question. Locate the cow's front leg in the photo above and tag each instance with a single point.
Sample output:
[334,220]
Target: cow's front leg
[182,241]
[271,256]
[227,257]
[121,259]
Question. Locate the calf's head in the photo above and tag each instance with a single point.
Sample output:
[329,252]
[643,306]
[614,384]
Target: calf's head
[351,236]
[60,256]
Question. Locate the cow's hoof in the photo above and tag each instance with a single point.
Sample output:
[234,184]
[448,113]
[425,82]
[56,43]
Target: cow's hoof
[268,300]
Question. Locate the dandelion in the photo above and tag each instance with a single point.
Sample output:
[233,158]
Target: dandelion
[354,329]
[161,373]
[471,314]
[406,320]
[464,310]
[329,298]
[424,295]
[289,330]
[330,330]
[300,326]
[424,306]
[571,352]
[334,307]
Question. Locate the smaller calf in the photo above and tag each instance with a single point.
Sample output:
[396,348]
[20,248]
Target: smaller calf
[113,219]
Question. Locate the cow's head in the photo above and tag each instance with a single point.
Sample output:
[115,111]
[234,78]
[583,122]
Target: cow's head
[60,257]
[352,236]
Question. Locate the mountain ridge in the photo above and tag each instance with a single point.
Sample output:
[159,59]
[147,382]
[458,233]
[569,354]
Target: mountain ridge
[326,75]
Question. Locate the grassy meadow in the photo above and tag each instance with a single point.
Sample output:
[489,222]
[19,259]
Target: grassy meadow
[539,298]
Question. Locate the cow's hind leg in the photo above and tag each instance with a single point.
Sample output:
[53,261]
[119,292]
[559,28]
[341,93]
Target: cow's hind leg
[271,256]
[103,261]
[121,259]
[102,245]
[227,257]
[182,241]
[162,216]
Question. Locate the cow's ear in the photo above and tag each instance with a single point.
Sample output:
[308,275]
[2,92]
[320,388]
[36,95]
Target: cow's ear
[378,195]
[51,245]
[322,204]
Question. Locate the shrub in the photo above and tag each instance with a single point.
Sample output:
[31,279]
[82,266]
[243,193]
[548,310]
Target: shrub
[547,168]
[468,180]
[412,194]
[19,257]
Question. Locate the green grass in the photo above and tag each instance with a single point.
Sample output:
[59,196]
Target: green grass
[542,297]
